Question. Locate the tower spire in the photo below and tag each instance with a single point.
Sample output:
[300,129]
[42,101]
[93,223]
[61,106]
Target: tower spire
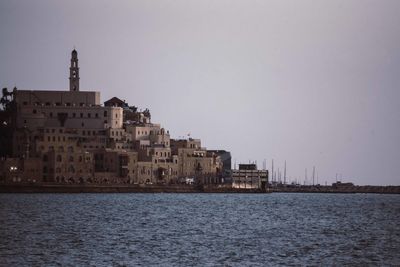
[74,72]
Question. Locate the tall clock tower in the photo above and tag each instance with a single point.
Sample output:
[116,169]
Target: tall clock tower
[74,72]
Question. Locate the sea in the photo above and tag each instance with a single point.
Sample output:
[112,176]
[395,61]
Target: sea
[277,229]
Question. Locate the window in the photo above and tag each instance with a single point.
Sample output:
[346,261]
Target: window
[25,103]
[58,158]
[71,159]
[34,111]
[71,169]
[45,158]
[89,115]
[96,115]
[105,113]
[81,115]
[82,124]
[73,115]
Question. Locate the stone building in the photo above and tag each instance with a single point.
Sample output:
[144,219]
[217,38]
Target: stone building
[70,137]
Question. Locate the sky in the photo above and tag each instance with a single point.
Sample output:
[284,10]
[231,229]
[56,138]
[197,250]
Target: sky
[315,83]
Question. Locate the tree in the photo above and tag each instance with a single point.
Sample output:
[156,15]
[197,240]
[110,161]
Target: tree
[7,119]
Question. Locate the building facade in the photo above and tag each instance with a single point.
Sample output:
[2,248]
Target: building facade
[249,177]
[69,137]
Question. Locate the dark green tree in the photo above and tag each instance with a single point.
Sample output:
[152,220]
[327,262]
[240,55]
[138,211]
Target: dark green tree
[7,121]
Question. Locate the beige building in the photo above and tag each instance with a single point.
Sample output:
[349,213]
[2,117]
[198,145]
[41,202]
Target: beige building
[69,137]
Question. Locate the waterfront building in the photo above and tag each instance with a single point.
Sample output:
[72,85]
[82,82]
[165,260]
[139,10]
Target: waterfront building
[70,137]
[249,177]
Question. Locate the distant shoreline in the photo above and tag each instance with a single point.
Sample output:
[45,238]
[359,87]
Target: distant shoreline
[57,188]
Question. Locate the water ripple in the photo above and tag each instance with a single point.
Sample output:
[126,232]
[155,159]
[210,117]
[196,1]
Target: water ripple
[199,229]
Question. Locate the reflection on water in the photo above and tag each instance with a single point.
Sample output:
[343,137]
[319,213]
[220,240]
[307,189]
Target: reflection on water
[199,229]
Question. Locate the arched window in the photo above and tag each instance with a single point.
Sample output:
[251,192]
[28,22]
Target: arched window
[71,169]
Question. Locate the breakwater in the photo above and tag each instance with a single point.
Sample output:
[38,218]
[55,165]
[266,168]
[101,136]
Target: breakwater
[332,189]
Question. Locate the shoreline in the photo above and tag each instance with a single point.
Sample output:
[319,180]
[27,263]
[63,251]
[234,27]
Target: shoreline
[136,188]
[54,188]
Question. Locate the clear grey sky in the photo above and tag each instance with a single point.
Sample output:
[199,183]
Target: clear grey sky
[312,82]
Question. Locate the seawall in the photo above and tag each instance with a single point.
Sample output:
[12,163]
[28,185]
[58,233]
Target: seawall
[55,188]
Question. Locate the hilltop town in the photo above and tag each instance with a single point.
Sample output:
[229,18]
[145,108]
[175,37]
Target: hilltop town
[69,137]
[68,141]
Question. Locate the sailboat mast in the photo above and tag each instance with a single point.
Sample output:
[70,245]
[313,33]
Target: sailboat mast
[313,176]
[272,170]
[284,174]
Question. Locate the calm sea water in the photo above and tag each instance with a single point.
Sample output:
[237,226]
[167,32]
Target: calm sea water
[199,229]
